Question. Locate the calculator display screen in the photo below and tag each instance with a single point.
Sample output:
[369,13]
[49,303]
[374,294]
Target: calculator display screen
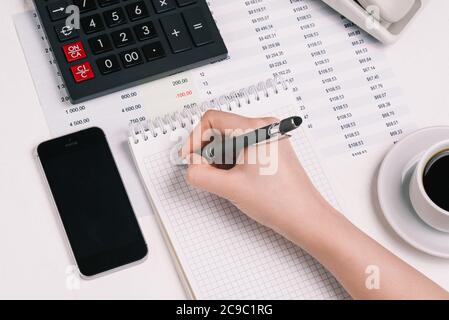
[92,202]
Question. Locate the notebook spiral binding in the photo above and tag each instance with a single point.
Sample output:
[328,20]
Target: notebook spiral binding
[170,122]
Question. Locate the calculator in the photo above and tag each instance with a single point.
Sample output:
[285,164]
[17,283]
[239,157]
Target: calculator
[102,46]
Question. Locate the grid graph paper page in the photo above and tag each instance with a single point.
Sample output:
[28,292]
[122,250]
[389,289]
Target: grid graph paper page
[223,253]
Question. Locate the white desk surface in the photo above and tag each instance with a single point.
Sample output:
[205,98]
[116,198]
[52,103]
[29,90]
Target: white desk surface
[33,258]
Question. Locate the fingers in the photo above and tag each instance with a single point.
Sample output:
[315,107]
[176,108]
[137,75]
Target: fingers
[208,178]
[219,122]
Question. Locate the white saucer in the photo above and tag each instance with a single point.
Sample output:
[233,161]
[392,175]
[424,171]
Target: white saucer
[392,189]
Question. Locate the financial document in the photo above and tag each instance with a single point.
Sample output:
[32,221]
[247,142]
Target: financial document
[342,83]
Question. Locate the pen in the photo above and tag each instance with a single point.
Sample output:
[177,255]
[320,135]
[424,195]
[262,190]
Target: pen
[226,151]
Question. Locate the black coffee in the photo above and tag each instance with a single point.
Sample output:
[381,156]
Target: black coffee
[436,179]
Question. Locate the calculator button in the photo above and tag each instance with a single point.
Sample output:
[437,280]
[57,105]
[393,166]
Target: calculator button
[108,64]
[145,31]
[183,3]
[85,5]
[105,3]
[82,72]
[198,26]
[114,17]
[65,32]
[137,11]
[164,5]
[57,10]
[122,38]
[92,24]
[176,33]
[100,44]
[131,58]
[74,51]
[153,51]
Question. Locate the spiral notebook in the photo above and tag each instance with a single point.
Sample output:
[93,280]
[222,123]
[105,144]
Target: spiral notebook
[219,252]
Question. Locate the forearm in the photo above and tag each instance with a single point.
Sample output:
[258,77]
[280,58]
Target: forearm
[348,253]
[300,213]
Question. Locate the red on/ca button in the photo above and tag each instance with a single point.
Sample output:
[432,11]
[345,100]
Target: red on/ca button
[74,51]
[82,72]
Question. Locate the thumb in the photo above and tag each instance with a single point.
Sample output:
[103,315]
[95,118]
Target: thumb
[208,178]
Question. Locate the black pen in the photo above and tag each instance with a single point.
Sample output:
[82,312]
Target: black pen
[226,150]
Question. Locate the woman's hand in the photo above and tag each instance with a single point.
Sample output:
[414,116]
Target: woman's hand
[269,184]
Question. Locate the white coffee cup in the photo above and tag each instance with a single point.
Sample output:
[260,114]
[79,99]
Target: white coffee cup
[426,209]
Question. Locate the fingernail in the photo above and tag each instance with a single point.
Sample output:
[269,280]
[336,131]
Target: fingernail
[184,162]
[183,152]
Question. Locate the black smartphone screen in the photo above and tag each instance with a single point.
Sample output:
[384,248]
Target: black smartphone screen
[92,201]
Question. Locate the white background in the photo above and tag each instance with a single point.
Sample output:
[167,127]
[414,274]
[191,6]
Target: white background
[33,258]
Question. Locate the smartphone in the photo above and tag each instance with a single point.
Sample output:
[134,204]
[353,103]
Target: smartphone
[95,211]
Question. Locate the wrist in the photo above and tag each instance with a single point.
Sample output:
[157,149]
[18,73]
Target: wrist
[317,228]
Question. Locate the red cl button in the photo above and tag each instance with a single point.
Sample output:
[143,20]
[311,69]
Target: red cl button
[82,72]
[74,51]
